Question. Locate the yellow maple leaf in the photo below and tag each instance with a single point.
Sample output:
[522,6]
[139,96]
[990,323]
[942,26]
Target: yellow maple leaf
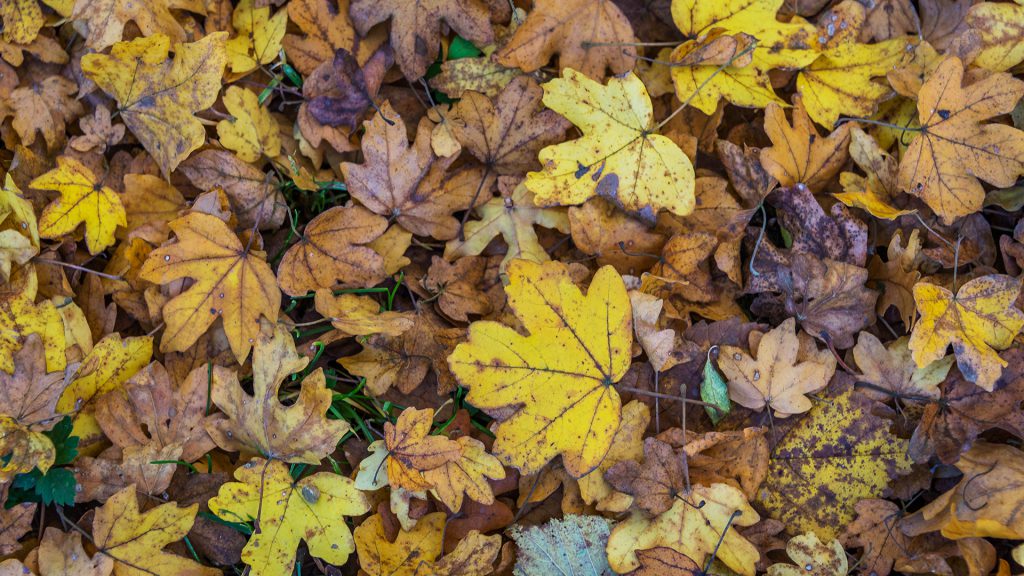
[22,20]
[24,449]
[512,217]
[83,200]
[619,156]
[840,82]
[412,450]
[552,390]
[998,25]
[465,476]
[251,132]
[136,540]
[690,529]
[779,378]
[21,316]
[298,433]
[875,191]
[953,149]
[231,281]
[19,232]
[107,367]
[103,21]
[978,321]
[378,556]
[799,155]
[156,96]
[258,38]
[288,511]
[813,558]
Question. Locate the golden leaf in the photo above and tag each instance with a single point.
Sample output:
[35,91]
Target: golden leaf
[83,200]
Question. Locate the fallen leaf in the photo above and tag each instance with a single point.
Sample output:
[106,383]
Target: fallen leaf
[691,528]
[553,27]
[799,154]
[953,148]
[251,132]
[412,450]
[254,195]
[104,20]
[656,483]
[258,36]
[877,531]
[779,377]
[358,315]
[83,200]
[572,545]
[231,282]
[332,252]
[891,372]
[415,27]
[21,316]
[465,476]
[618,157]
[260,423]
[157,97]
[813,557]
[978,320]
[136,540]
[578,347]
[379,555]
[836,456]
[29,394]
[288,511]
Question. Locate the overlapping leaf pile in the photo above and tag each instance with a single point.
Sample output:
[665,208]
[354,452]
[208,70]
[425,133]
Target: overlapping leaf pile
[472,287]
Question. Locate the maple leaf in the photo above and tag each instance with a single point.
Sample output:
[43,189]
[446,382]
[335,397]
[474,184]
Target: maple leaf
[662,561]
[353,91]
[588,35]
[150,202]
[21,316]
[379,556]
[358,315]
[892,372]
[255,197]
[251,132]
[83,200]
[799,154]
[412,450]
[600,229]
[405,360]
[136,540]
[992,473]
[511,216]
[950,426]
[156,96]
[877,531]
[24,449]
[474,556]
[230,282]
[465,476]
[657,483]
[298,433]
[619,157]
[953,149]
[813,558]
[327,28]
[45,107]
[258,38]
[287,511]
[410,184]
[415,27]
[106,368]
[457,287]
[22,20]
[104,20]
[150,409]
[29,395]
[333,252]
[19,231]
[62,553]
[571,545]
[840,81]
[999,29]
[15,522]
[837,455]
[781,375]
[690,529]
[627,445]
[506,134]
[558,380]
[98,132]
[147,469]
[978,320]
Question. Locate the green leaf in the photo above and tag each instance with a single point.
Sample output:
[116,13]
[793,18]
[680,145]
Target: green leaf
[65,444]
[462,48]
[714,391]
[574,545]
[57,487]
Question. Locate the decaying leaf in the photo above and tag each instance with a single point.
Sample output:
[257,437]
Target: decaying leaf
[572,545]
